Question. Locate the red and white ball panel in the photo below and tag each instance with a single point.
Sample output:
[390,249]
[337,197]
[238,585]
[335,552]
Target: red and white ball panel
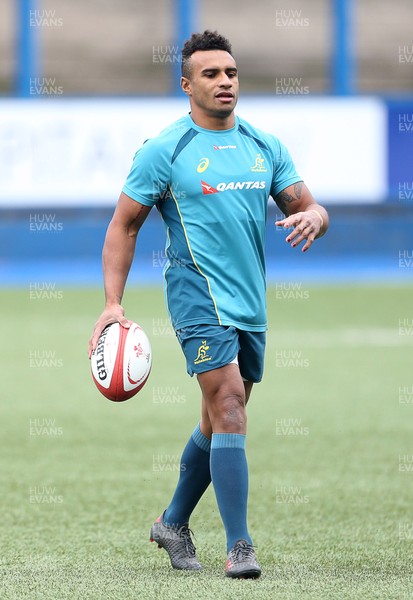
[121,362]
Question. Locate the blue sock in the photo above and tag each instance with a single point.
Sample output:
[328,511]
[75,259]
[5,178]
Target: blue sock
[229,471]
[194,478]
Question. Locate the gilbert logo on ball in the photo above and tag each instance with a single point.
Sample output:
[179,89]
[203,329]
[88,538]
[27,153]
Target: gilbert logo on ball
[121,362]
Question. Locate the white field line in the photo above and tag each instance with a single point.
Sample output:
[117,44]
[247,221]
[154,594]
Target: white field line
[318,338]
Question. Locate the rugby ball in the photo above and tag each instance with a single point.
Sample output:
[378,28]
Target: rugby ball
[121,361]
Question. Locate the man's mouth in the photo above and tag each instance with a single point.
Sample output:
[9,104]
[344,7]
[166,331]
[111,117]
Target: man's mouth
[225,96]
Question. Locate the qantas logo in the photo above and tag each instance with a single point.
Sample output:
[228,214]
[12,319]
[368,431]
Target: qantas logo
[208,189]
[232,185]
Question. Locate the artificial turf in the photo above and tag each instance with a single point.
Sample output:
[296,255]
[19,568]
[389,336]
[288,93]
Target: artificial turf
[329,448]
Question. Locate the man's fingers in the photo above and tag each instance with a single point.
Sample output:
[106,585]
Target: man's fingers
[287,222]
[308,243]
[92,344]
[299,234]
[305,228]
[95,336]
[308,236]
[106,318]
[294,234]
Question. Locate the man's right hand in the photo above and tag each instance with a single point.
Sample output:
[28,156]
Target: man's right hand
[111,314]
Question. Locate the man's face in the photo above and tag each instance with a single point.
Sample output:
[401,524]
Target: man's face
[213,84]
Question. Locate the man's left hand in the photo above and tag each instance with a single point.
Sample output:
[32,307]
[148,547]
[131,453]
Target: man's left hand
[307,226]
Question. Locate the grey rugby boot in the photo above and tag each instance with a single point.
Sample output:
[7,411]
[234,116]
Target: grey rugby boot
[241,561]
[178,544]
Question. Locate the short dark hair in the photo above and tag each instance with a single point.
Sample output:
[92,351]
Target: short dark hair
[209,40]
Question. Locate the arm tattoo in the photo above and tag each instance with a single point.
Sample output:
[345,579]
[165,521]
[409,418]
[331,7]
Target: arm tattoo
[298,189]
[284,198]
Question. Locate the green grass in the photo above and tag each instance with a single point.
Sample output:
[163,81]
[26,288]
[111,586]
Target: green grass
[329,509]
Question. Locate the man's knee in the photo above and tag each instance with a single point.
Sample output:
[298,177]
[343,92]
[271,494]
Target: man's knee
[229,413]
[224,395]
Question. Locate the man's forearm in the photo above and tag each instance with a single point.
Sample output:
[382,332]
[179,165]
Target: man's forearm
[117,257]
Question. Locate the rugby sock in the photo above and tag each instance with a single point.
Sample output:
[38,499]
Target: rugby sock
[229,471]
[194,478]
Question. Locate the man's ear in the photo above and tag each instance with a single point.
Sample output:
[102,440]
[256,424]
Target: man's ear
[186,86]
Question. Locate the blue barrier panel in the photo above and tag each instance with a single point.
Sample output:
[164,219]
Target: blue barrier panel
[364,243]
[400,151]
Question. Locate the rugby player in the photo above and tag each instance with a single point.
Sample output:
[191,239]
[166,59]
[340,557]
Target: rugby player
[210,175]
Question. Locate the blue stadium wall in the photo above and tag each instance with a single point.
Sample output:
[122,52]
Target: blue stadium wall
[366,241]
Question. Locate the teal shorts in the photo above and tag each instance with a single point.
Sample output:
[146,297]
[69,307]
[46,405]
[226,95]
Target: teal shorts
[208,347]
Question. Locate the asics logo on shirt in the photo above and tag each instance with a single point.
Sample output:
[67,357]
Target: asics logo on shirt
[232,185]
[203,165]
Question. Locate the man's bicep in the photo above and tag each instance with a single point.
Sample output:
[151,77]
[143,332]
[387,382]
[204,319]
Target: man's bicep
[130,213]
[294,198]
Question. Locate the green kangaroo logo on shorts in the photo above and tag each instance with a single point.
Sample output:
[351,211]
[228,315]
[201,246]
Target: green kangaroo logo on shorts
[202,353]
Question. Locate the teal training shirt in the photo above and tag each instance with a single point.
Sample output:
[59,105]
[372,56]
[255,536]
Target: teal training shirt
[211,188]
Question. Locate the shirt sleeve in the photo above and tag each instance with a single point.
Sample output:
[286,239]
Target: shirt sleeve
[284,173]
[149,175]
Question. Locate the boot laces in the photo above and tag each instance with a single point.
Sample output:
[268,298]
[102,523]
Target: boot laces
[243,551]
[185,534]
